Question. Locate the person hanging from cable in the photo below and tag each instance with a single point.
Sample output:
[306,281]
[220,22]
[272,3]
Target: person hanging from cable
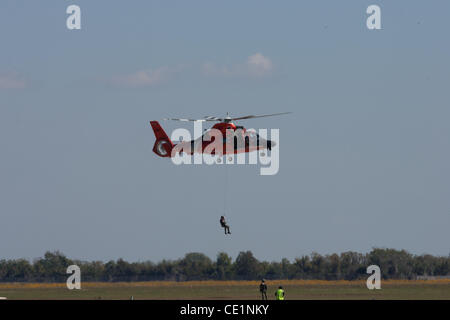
[224,225]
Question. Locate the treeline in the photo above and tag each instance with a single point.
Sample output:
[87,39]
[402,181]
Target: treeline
[394,264]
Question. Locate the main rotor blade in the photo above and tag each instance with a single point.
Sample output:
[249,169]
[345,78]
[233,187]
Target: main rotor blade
[181,119]
[261,116]
[211,118]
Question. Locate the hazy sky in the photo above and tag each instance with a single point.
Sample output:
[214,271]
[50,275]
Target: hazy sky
[364,158]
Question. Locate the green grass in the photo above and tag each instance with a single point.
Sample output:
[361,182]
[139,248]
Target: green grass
[236,290]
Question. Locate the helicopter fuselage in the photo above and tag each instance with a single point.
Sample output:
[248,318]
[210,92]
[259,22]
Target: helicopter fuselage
[234,139]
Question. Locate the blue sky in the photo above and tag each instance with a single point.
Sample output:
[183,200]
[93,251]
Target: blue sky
[364,158]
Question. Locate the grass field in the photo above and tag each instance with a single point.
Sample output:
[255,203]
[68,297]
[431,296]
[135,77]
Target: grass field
[295,289]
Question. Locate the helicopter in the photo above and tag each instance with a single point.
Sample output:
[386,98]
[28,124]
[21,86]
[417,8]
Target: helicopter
[236,139]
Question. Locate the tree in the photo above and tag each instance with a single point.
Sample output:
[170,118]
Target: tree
[247,266]
[317,265]
[302,267]
[393,263]
[352,265]
[287,269]
[332,267]
[196,266]
[224,266]
[52,267]
[398,264]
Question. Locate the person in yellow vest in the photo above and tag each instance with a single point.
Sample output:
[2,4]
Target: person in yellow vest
[279,294]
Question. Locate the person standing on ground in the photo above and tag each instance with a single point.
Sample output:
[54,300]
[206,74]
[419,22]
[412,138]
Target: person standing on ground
[279,294]
[263,289]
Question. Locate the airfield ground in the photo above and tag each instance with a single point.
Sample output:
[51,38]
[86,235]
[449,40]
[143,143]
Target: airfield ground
[295,289]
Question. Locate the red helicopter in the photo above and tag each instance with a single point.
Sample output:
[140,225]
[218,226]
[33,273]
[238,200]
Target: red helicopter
[240,140]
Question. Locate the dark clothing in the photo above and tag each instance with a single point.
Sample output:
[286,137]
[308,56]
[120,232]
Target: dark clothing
[263,287]
[225,226]
[263,290]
